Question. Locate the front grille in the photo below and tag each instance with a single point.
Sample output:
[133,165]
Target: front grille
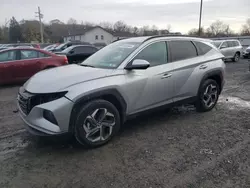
[24,99]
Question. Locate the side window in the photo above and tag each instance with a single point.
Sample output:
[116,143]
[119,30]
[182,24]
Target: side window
[224,45]
[155,54]
[28,54]
[181,50]
[202,48]
[43,54]
[8,56]
[78,50]
[89,50]
[236,43]
[230,43]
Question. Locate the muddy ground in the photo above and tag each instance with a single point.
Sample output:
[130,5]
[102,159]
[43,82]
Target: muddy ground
[171,148]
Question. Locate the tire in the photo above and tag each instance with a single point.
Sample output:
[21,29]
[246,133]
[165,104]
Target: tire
[89,128]
[204,94]
[236,57]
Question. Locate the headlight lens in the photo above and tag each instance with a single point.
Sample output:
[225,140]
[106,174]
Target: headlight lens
[44,98]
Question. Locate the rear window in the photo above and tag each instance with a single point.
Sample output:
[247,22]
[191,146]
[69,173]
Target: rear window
[181,50]
[202,48]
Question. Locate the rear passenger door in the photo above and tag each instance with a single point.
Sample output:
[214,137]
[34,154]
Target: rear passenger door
[231,49]
[189,66]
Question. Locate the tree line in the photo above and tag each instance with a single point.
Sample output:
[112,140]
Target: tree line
[28,30]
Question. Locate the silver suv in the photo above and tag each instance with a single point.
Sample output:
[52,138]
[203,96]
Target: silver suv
[128,77]
[231,49]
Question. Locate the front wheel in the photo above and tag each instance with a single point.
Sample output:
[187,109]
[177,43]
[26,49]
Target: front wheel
[97,123]
[207,96]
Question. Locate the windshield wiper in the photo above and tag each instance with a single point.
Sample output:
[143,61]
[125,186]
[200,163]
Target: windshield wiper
[85,65]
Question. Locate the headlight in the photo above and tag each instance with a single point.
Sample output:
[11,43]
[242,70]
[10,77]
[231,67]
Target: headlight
[47,97]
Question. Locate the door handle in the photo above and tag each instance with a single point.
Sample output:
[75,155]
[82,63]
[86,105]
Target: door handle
[166,75]
[203,66]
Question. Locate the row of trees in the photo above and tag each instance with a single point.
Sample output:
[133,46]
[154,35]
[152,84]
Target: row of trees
[28,30]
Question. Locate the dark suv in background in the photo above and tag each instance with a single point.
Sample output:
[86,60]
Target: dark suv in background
[63,46]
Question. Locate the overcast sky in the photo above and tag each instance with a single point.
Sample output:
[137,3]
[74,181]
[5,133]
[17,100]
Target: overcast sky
[183,15]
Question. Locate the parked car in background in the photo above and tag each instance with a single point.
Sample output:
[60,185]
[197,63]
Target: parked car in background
[50,47]
[246,52]
[78,53]
[231,49]
[19,64]
[100,45]
[65,45]
[93,99]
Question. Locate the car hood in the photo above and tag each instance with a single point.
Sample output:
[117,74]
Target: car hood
[57,79]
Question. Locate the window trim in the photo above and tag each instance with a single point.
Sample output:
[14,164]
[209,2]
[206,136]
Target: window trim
[153,42]
[197,54]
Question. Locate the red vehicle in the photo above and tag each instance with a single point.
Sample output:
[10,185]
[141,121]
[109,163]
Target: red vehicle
[19,64]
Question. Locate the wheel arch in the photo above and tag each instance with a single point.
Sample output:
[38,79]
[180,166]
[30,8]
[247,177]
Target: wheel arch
[216,75]
[111,95]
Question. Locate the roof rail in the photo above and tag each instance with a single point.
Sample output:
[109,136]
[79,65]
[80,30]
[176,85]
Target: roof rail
[170,35]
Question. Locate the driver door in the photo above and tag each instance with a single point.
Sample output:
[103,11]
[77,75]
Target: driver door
[154,86]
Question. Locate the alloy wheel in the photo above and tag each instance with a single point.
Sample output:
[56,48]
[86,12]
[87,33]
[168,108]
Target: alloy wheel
[99,125]
[210,95]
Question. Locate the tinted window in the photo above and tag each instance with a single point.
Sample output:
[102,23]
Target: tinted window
[29,54]
[89,50]
[202,48]
[155,54]
[181,50]
[8,56]
[78,50]
[43,54]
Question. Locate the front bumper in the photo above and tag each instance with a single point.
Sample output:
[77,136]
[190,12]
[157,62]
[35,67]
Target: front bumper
[36,123]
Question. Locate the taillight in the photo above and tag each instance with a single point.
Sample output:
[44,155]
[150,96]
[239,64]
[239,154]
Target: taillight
[66,60]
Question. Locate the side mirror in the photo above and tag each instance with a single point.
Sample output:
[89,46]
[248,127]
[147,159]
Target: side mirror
[138,64]
[223,46]
[71,52]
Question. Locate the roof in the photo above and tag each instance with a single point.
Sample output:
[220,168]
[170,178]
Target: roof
[82,31]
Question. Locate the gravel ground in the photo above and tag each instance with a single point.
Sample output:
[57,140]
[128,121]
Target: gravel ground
[172,148]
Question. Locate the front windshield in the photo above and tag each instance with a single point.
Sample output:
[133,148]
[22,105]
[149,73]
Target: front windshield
[112,56]
[217,43]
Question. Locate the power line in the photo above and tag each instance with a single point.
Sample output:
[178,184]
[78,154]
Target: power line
[40,16]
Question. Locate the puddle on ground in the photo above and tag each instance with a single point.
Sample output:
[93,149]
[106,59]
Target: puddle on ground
[234,102]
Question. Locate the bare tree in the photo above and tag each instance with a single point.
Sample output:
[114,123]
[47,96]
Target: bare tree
[72,21]
[169,28]
[246,28]
[218,28]
[106,25]
[121,26]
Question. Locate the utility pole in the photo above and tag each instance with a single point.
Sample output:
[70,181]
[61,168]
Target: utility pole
[40,16]
[200,17]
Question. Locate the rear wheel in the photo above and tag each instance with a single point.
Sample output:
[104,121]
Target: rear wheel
[97,123]
[236,57]
[208,96]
